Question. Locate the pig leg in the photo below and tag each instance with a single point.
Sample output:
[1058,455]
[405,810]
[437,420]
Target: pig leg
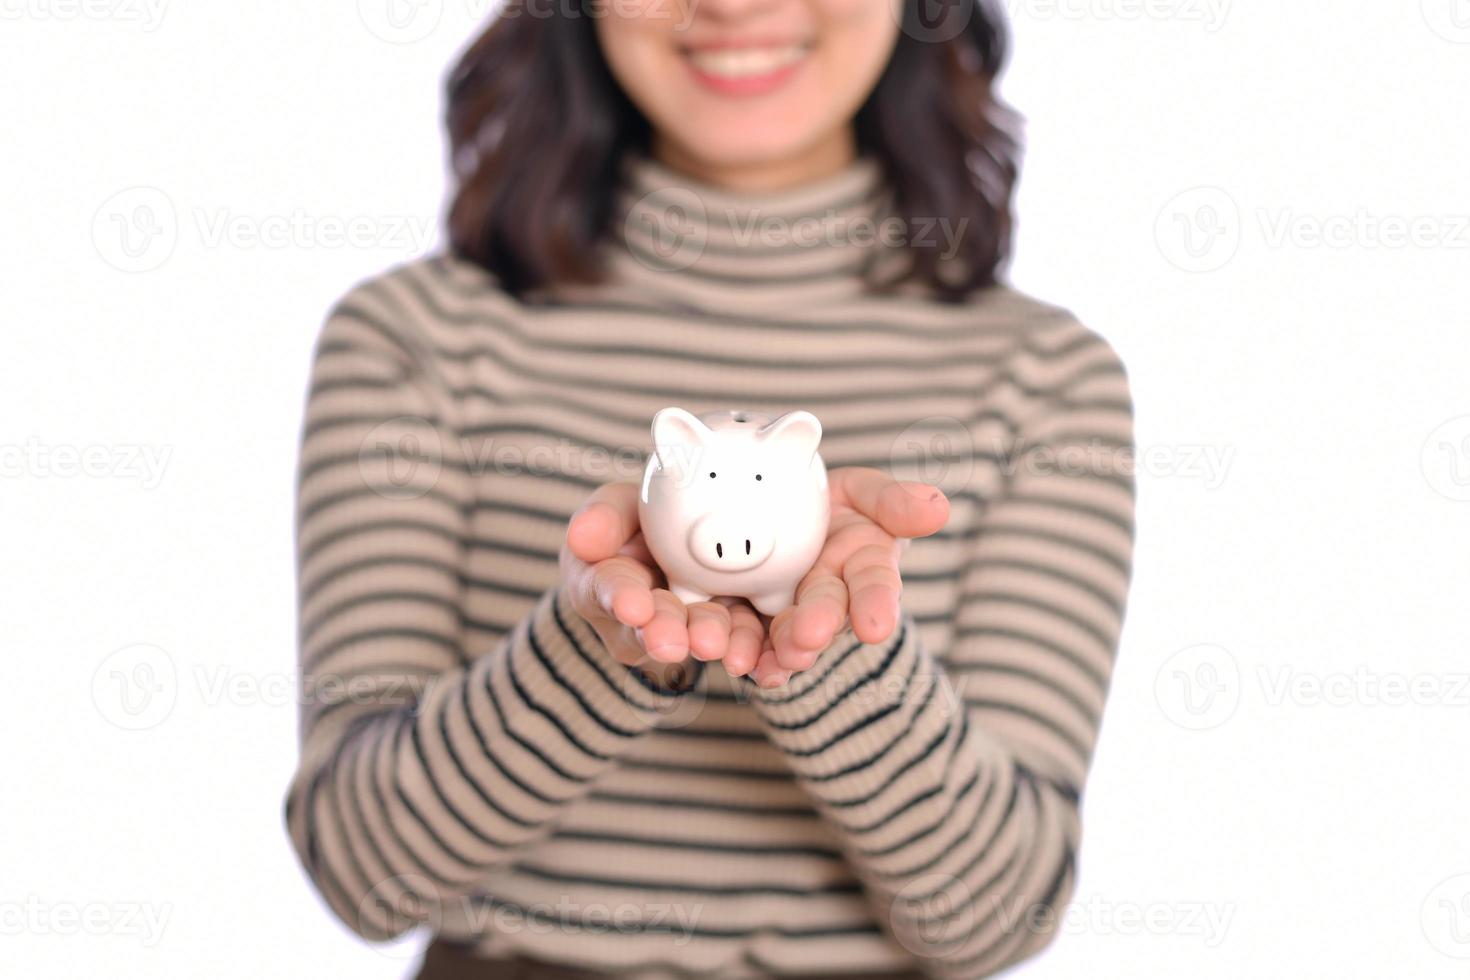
[770,605]
[688,595]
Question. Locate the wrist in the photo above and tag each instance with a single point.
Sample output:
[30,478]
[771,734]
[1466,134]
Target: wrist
[847,669]
[651,690]
[659,676]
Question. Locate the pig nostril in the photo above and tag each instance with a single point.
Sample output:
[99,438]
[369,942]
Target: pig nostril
[719,550]
[747,546]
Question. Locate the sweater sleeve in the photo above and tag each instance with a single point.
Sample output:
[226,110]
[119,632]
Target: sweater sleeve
[423,764]
[953,776]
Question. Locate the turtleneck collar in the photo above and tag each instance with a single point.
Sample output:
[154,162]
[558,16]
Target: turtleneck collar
[692,242]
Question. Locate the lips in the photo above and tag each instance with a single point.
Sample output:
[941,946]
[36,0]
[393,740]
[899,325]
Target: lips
[746,69]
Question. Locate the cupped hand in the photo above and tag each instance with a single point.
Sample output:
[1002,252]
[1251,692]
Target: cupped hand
[613,582]
[855,579]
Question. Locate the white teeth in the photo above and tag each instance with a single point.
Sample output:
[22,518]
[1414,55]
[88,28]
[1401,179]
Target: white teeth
[746,62]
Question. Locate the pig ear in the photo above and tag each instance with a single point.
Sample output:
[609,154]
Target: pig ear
[677,434]
[798,431]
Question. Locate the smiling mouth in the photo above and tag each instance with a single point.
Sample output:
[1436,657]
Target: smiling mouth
[746,63]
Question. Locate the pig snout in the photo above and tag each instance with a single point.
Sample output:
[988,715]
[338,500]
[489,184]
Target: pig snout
[731,543]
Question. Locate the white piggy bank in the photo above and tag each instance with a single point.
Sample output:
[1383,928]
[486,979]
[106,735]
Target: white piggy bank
[735,504]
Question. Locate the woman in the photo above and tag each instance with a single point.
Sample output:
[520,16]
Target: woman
[514,733]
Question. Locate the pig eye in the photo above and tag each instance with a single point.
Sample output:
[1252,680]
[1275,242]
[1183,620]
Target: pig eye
[757,476]
[712,475]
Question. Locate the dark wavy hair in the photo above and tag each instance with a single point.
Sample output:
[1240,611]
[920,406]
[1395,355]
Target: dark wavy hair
[538,129]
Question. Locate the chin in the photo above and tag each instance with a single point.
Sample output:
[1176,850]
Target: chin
[725,137]
[754,146]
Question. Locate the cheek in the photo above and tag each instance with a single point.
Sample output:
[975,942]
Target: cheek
[859,37]
[877,16]
[641,54]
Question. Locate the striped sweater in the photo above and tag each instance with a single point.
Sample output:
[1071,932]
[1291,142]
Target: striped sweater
[472,758]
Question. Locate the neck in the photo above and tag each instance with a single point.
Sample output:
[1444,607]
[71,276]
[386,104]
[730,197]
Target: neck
[823,159]
[681,239]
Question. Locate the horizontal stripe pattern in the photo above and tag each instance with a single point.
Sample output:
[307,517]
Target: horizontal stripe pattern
[473,758]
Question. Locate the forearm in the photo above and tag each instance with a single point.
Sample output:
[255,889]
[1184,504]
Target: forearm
[408,807]
[964,854]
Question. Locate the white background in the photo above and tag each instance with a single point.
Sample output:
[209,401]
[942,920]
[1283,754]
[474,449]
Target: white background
[1222,189]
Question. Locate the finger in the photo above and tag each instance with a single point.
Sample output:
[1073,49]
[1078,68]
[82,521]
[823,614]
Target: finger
[848,533]
[800,633]
[623,590]
[666,635]
[768,672]
[822,597]
[747,638]
[906,509]
[709,630]
[637,548]
[618,589]
[605,522]
[874,584]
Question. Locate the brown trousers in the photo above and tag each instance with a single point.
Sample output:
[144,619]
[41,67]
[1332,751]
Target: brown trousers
[447,961]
